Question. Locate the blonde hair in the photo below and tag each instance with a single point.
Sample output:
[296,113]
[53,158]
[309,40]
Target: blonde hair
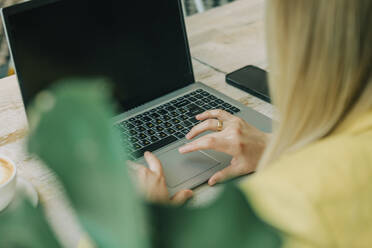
[320,63]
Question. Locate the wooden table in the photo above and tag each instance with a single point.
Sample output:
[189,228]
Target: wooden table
[221,40]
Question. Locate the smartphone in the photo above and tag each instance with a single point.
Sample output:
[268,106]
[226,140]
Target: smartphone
[251,79]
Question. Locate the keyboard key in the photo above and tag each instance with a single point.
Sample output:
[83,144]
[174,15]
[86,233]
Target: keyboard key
[166,117]
[142,136]
[130,126]
[192,99]
[158,121]
[183,117]
[212,97]
[204,93]
[206,100]
[207,107]
[136,146]
[162,112]
[151,132]
[133,140]
[198,96]
[144,142]
[193,114]
[175,121]
[185,131]
[149,125]
[140,129]
[193,120]
[124,123]
[132,132]
[167,124]
[154,138]
[170,108]
[194,110]
[137,122]
[199,90]
[180,135]
[226,105]
[159,128]
[182,103]
[182,110]
[162,135]
[179,127]
[213,104]
[193,93]
[187,123]
[123,135]
[199,102]
[146,119]
[170,131]
[219,101]
[235,110]
[155,115]
[155,146]
[174,113]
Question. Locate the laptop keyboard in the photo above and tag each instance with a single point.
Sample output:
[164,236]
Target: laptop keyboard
[167,123]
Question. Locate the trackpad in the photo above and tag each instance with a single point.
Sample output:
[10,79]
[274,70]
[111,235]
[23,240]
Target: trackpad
[178,168]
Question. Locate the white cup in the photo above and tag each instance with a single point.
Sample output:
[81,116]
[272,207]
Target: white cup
[8,189]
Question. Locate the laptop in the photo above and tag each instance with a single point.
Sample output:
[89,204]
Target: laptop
[142,48]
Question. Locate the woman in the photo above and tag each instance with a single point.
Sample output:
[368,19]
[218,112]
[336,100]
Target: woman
[313,179]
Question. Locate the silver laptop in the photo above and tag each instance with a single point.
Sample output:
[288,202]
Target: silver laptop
[143,49]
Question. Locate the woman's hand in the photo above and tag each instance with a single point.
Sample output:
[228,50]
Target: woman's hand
[151,182]
[238,139]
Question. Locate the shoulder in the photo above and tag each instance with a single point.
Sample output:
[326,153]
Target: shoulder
[308,193]
[325,163]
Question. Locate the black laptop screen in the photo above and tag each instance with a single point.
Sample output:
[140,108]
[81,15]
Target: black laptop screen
[139,45]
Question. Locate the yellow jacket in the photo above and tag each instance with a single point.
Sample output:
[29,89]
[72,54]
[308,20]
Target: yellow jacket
[320,196]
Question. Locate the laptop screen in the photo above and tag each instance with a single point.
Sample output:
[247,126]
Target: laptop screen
[141,46]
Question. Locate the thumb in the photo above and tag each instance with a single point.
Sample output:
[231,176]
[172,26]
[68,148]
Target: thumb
[181,197]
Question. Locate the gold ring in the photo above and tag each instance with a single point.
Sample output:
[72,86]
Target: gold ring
[220,126]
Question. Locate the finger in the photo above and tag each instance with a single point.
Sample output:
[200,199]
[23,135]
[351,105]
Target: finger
[223,175]
[181,197]
[154,163]
[211,125]
[208,142]
[134,166]
[136,171]
[215,113]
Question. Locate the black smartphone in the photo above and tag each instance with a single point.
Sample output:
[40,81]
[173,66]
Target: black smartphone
[251,79]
